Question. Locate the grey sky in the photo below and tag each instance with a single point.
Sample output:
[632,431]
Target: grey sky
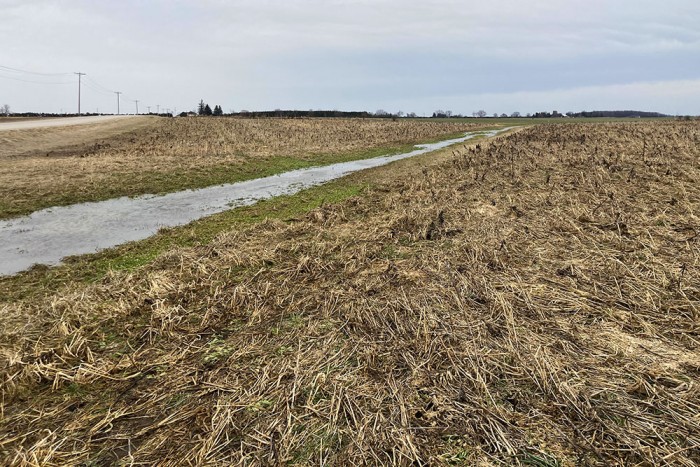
[419,56]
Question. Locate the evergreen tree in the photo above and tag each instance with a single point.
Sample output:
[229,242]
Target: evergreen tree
[218,111]
[207,110]
[200,108]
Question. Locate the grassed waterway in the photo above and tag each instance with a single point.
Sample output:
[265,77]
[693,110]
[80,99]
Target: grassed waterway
[47,236]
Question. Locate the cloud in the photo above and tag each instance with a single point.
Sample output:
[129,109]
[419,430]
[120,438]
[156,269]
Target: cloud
[504,27]
[671,97]
[362,54]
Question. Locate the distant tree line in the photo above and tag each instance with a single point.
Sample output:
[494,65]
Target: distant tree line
[444,114]
[306,113]
[82,114]
[601,114]
[556,114]
[5,112]
[48,114]
[617,114]
[204,109]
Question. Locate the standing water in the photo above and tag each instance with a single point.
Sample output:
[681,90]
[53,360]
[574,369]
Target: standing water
[46,236]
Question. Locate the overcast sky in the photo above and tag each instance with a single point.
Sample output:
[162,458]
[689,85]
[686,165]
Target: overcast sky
[410,55]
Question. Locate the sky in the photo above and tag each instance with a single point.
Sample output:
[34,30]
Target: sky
[501,56]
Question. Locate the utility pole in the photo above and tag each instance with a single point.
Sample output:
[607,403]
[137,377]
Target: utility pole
[149,109]
[137,106]
[117,93]
[80,75]
[158,109]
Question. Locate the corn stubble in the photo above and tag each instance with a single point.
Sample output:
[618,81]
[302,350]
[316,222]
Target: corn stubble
[531,301]
[165,156]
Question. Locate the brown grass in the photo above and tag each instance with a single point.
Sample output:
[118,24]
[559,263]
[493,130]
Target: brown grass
[57,166]
[70,139]
[533,301]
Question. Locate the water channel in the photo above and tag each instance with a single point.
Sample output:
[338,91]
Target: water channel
[47,236]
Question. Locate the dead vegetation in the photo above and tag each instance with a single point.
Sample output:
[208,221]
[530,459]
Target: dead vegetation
[530,301]
[68,139]
[57,166]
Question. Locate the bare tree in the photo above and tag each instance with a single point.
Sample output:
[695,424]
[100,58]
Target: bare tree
[515,114]
[5,110]
[479,113]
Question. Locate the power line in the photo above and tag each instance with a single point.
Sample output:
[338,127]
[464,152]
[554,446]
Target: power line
[99,85]
[96,89]
[32,81]
[95,86]
[90,83]
[17,70]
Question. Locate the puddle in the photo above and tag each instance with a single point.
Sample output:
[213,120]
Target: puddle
[47,236]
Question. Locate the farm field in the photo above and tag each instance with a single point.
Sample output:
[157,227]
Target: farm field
[47,167]
[532,299]
[4,119]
